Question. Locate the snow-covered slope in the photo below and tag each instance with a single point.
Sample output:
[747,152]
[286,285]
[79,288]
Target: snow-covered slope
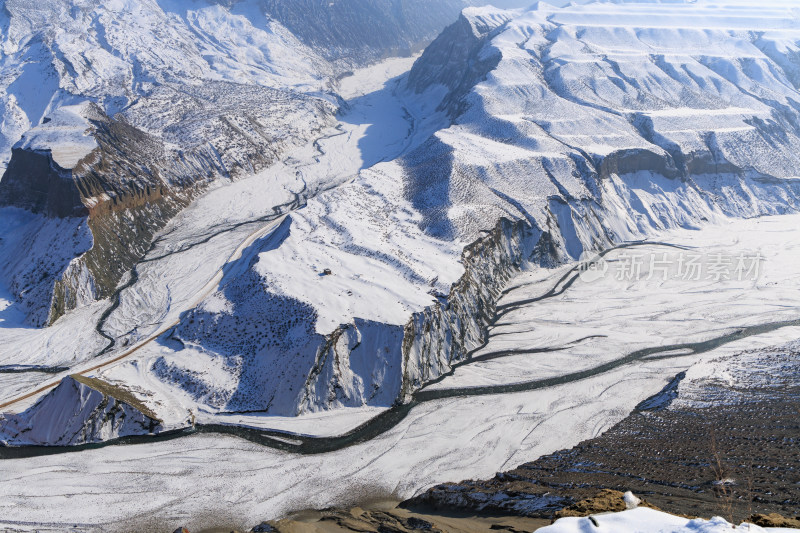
[643,520]
[588,105]
[205,92]
[58,52]
[354,32]
[573,129]
[223,89]
[114,53]
[79,411]
[567,130]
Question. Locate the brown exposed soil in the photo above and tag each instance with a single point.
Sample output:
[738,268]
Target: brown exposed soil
[605,501]
[387,517]
[118,393]
[774,520]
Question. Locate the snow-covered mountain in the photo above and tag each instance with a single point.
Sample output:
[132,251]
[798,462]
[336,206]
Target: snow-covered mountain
[209,90]
[532,136]
[572,129]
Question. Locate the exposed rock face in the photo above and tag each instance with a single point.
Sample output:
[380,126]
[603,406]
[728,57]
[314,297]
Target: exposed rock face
[375,364]
[448,331]
[624,162]
[647,176]
[364,520]
[123,192]
[355,366]
[556,148]
[35,182]
[79,411]
[271,357]
[458,59]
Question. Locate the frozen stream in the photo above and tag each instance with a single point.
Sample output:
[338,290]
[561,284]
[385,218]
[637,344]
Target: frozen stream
[529,411]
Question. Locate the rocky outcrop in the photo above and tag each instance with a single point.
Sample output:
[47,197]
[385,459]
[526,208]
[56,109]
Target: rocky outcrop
[458,58]
[358,364]
[537,147]
[122,188]
[630,161]
[79,410]
[365,363]
[38,184]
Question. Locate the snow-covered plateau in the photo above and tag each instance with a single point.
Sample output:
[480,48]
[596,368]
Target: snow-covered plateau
[377,279]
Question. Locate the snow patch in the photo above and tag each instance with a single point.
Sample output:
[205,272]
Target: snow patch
[644,520]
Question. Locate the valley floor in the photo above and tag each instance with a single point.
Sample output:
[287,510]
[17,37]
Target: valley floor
[209,479]
[719,440]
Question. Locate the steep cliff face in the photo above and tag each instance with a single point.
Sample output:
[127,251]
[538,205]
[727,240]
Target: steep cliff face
[80,410]
[358,364]
[37,183]
[458,59]
[562,129]
[446,332]
[121,189]
[184,93]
